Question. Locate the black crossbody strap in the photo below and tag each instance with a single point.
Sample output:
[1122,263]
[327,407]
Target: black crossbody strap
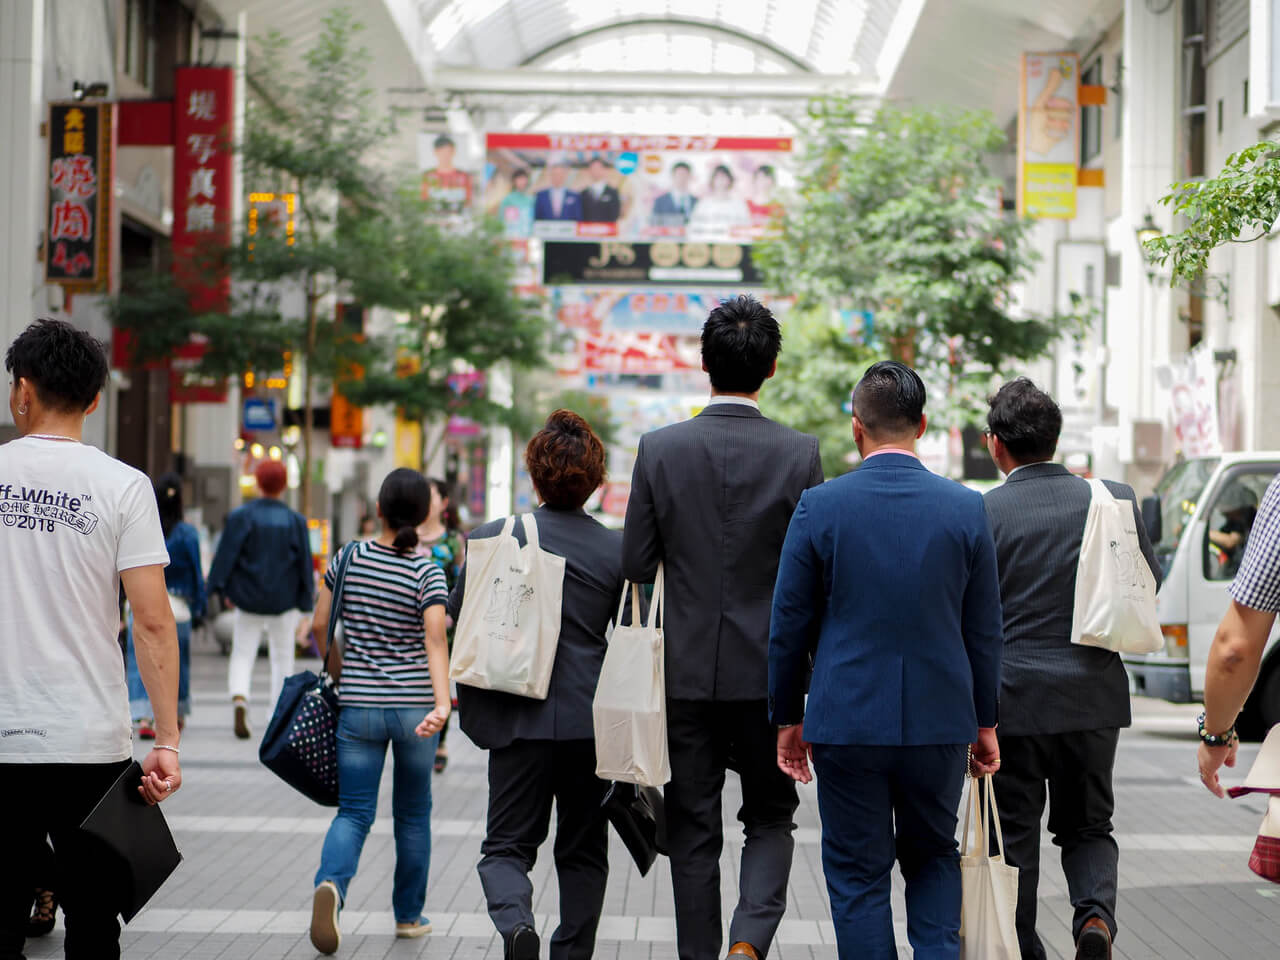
[335,605]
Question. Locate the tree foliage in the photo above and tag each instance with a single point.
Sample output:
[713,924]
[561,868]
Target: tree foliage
[819,364]
[1239,204]
[899,214]
[313,131]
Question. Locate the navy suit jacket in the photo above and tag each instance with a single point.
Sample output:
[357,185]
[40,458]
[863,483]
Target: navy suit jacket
[888,580]
[570,206]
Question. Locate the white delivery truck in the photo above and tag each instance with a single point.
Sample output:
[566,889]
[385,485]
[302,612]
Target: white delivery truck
[1199,520]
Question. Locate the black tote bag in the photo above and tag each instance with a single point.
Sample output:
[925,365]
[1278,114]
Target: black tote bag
[300,745]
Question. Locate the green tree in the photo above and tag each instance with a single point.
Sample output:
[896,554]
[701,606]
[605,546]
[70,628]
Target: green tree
[900,216]
[455,289]
[313,131]
[1240,204]
[819,364]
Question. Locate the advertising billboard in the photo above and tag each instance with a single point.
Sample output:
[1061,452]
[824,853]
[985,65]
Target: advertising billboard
[635,188]
[78,228]
[1048,135]
[613,262]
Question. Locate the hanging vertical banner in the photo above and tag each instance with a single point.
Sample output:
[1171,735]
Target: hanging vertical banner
[203,108]
[78,230]
[1048,135]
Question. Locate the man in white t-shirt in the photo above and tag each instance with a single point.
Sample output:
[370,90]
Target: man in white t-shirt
[74,524]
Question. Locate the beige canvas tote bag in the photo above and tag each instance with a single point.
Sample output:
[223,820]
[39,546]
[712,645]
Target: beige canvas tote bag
[1115,598]
[509,625]
[989,901]
[630,706]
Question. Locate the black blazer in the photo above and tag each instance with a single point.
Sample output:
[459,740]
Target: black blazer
[1048,684]
[592,587]
[603,209]
[711,498]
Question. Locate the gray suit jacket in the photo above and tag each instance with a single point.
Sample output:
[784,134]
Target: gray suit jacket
[711,498]
[1049,684]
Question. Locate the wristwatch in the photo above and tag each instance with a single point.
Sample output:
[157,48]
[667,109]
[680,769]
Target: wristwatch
[1225,739]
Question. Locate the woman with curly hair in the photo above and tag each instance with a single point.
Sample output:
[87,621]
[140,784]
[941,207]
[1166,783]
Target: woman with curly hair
[544,750]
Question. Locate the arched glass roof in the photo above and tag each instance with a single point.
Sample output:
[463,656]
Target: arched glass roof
[823,36]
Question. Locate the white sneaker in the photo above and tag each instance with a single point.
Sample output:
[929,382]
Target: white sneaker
[325,935]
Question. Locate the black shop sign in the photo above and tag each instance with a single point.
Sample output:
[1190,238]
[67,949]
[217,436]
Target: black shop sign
[77,227]
[611,263]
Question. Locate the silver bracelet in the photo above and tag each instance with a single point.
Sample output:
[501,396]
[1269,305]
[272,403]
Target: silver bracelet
[165,746]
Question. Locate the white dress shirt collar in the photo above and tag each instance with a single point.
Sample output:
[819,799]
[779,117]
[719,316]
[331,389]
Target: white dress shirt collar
[740,401]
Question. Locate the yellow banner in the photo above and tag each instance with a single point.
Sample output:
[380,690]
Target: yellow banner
[408,443]
[1048,135]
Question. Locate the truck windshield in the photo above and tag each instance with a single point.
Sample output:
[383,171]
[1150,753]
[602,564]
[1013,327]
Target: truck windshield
[1180,490]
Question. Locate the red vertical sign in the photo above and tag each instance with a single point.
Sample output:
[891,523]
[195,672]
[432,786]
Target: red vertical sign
[203,109]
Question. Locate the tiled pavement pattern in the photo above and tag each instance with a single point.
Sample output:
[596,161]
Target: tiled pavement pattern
[252,845]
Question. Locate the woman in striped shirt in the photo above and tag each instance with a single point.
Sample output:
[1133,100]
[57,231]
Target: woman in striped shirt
[394,690]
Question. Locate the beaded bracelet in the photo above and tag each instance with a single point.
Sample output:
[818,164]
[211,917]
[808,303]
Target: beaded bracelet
[1216,739]
[165,746]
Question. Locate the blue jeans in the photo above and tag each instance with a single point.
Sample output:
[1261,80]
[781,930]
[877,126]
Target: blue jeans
[139,704]
[363,735]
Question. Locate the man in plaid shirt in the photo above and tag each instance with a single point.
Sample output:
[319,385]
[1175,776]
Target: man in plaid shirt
[1236,656]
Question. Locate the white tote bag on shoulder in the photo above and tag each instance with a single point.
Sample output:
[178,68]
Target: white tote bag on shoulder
[509,625]
[989,901]
[1115,599]
[630,706]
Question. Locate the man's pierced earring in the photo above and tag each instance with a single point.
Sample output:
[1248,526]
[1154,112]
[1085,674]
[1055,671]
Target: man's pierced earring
[22,411]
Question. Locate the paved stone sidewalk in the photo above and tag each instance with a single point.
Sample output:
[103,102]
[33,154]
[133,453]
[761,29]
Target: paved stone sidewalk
[251,847]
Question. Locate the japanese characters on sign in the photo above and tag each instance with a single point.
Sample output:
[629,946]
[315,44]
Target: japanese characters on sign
[77,230]
[202,180]
[202,183]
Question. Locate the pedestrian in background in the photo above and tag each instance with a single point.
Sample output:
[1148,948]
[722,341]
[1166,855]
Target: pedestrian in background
[440,538]
[711,499]
[263,567]
[1236,655]
[888,582]
[1062,704]
[544,750]
[394,691]
[184,579]
[77,523]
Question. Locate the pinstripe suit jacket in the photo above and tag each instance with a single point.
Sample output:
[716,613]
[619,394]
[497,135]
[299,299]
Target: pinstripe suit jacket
[711,498]
[1050,685]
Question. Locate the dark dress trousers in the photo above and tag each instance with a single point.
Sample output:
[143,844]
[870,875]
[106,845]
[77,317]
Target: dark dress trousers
[711,499]
[542,751]
[1062,705]
[888,581]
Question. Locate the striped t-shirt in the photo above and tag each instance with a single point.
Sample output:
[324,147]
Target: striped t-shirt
[384,596]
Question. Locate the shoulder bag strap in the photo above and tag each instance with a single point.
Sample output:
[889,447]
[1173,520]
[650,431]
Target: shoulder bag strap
[968,810]
[657,605]
[335,604]
[530,524]
[994,815]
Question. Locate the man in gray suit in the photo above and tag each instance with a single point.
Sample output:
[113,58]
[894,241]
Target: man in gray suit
[1061,704]
[711,498]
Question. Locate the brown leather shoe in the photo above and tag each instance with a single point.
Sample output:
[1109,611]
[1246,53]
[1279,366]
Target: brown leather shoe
[1095,941]
[742,949]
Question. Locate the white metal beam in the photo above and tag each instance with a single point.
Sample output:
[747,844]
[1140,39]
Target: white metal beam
[693,86]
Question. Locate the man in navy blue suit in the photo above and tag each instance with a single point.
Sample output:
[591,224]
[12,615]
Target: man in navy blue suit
[557,202]
[888,582]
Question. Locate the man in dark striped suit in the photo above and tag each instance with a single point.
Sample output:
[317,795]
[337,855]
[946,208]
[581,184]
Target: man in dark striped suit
[711,499]
[1061,704]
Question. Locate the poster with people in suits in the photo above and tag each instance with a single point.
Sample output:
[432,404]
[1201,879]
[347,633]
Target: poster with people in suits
[636,188]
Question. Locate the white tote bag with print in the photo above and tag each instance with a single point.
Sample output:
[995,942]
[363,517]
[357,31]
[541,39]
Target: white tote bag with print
[1115,600]
[509,625]
[630,706]
[989,901]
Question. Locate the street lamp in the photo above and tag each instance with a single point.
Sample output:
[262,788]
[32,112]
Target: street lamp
[1147,231]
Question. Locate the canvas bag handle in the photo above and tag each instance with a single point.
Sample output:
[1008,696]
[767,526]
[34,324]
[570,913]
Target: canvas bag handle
[983,818]
[657,609]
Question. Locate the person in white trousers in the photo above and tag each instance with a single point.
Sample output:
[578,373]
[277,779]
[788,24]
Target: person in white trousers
[263,568]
